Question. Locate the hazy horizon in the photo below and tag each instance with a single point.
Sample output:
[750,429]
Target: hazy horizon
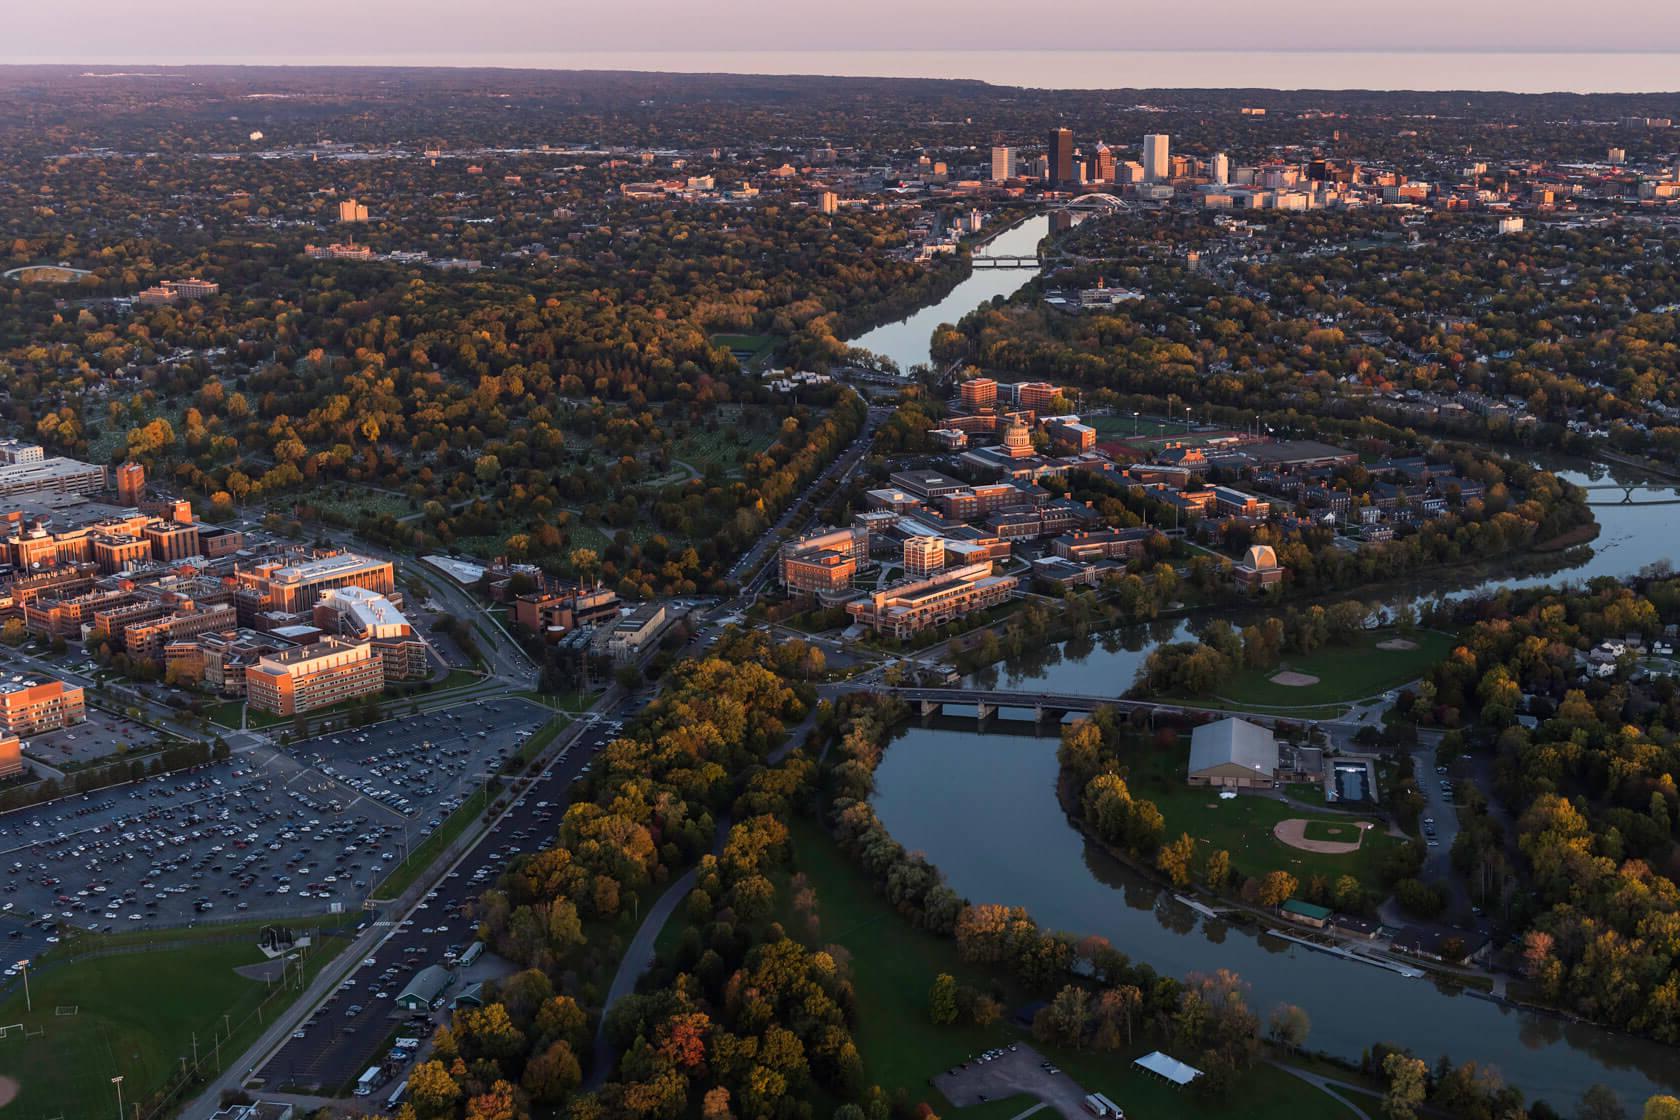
[96,29]
[1464,69]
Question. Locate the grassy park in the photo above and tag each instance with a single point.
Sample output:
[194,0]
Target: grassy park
[1243,826]
[1341,674]
[134,1015]
[893,966]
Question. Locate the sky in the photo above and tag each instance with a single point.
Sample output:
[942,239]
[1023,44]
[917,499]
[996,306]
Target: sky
[282,31]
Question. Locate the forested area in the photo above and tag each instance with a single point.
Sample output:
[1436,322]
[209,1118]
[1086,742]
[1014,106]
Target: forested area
[1578,848]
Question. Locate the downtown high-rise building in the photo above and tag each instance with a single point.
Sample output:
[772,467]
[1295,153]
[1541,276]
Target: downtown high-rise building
[1156,160]
[1060,152]
[1102,164]
[1219,169]
[1003,164]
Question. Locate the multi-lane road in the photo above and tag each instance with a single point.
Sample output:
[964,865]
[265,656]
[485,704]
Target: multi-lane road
[751,566]
[322,1046]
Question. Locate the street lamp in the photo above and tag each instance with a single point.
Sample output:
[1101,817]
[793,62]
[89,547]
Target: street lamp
[28,1004]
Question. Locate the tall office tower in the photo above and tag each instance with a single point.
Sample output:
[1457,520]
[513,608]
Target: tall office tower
[1155,158]
[1104,165]
[1003,164]
[1219,169]
[1061,157]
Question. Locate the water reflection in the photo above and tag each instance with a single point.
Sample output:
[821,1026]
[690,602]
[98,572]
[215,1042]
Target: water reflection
[1104,664]
[982,805]
[907,341]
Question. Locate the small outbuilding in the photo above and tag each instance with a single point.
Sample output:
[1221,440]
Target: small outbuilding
[1306,914]
[425,991]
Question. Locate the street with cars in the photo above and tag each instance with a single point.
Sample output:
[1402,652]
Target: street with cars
[348,1032]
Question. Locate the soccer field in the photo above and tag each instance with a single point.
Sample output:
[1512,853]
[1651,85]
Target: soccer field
[135,1015]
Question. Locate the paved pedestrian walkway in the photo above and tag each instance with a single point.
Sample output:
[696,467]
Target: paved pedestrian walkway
[638,956]
[1328,1085]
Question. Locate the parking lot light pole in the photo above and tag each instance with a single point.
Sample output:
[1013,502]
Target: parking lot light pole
[28,1004]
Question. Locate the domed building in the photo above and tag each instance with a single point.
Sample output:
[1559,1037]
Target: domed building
[1259,569]
[1017,440]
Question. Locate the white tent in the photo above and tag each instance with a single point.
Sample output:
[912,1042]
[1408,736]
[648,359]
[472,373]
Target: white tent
[1161,1065]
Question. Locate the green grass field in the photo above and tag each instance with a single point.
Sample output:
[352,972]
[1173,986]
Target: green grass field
[892,966]
[1345,673]
[1123,427]
[1243,826]
[752,348]
[136,1016]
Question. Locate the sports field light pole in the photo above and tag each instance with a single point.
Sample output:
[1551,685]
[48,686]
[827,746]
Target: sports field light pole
[117,1081]
[28,1004]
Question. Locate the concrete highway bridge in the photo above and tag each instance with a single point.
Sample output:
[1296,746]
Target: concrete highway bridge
[1054,705]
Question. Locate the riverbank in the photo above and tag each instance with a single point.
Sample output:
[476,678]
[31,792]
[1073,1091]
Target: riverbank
[907,340]
[935,786]
[893,965]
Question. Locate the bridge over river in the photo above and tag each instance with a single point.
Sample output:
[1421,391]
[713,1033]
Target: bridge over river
[931,700]
[1628,490]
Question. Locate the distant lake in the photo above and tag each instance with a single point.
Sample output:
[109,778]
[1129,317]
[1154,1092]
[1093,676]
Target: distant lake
[1514,71]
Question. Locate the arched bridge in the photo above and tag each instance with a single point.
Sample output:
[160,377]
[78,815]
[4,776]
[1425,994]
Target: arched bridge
[1097,200]
[1626,490]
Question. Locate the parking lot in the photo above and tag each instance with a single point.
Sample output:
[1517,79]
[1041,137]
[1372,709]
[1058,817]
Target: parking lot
[268,834]
[422,766]
[337,1043]
[1000,1074]
[245,837]
[99,737]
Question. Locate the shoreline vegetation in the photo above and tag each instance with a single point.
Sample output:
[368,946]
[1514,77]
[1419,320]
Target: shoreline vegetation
[1099,977]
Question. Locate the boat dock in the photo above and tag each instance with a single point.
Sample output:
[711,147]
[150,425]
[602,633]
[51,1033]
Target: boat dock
[1201,908]
[1348,954]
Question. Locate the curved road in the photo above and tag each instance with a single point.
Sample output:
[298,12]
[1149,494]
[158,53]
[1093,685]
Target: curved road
[638,956]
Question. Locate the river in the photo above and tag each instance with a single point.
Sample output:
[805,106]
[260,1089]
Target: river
[906,341]
[937,780]
[941,777]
